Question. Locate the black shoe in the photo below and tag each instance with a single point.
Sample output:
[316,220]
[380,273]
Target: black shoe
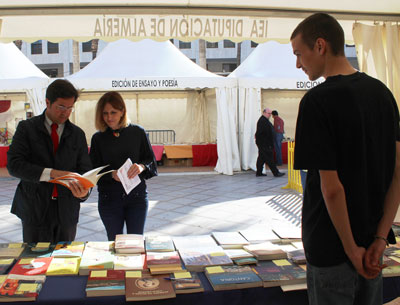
[279,174]
[261,175]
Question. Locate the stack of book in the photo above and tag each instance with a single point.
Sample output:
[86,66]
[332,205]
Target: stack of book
[163,262]
[196,259]
[241,257]
[129,244]
[105,283]
[11,250]
[130,262]
[186,282]
[98,255]
[16,288]
[159,244]
[269,251]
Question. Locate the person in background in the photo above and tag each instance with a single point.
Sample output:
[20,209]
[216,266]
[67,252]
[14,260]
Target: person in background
[265,142]
[350,198]
[115,142]
[279,131]
[44,147]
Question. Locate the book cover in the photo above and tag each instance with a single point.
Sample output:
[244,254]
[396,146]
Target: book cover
[129,243]
[230,240]
[232,277]
[245,261]
[268,250]
[64,266]
[186,282]
[238,253]
[280,272]
[130,262]
[159,244]
[11,250]
[68,249]
[163,259]
[87,180]
[393,266]
[197,259]
[166,270]
[105,283]
[259,234]
[287,232]
[297,256]
[31,266]
[97,256]
[6,264]
[38,250]
[148,287]
[193,241]
[16,288]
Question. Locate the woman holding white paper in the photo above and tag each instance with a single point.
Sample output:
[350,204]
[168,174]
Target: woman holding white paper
[115,142]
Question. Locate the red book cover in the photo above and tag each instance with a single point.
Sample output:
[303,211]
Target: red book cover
[31,266]
[161,259]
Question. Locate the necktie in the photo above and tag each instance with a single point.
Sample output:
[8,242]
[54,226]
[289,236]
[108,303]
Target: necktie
[54,138]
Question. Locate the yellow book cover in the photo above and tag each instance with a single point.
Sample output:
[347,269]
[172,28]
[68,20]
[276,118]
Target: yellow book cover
[64,266]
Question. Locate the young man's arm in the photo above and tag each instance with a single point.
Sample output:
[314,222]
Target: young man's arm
[335,201]
[392,200]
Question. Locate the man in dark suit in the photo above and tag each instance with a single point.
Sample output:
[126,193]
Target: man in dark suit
[265,143]
[45,147]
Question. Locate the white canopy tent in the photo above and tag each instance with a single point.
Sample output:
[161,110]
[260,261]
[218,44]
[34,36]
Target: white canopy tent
[19,75]
[149,66]
[270,66]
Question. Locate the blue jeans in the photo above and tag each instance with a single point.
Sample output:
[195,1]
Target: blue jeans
[278,147]
[342,285]
[117,208]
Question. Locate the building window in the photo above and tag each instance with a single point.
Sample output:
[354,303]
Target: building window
[212,45]
[228,44]
[228,67]
[36,47]
[185,45]
[52,72]
[87,46]
[254,44]
[52,48]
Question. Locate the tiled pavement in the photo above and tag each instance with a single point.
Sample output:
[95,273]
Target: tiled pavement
[185,204]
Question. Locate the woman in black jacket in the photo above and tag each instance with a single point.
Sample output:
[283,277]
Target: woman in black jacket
[115,142]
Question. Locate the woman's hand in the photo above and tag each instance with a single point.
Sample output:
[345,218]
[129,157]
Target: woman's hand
[135,169]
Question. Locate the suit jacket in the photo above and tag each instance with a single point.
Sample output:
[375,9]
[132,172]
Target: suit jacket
[265,133]
[30,153]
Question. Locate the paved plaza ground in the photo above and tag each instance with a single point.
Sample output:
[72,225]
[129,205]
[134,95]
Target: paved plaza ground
[184,203]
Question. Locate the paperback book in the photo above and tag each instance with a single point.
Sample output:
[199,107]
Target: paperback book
[11,250]
[6,264]
[159,244]
[230,240]
[269,251]
[105,283]
[31,266]
[129,244]
[163,259]
[64,266]
[97,256]
[130,262]
[193,241]
[16,288]
[69,249]
[143,287]
[38,250]
[197,259]
[259,234]
[280,272]
[232,277]
[186,282]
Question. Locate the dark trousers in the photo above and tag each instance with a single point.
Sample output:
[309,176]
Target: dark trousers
[117,208]
[266,156]
[51,230]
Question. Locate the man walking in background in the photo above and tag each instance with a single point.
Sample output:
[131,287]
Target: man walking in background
[265,143]
[350,199]
[279,131]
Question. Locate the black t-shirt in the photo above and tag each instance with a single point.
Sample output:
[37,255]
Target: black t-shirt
[349,124]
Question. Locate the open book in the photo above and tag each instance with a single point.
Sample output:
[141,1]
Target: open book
[87,180]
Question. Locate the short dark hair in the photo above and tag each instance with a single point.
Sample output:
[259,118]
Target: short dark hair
[274,112]
[61,88]
[117,102]
[321,25]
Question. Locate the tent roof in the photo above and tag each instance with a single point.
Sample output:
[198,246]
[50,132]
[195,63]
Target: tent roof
[144,65]
[272,65]
[17,72]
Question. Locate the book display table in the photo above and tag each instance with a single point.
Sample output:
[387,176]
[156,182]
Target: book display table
[62,290]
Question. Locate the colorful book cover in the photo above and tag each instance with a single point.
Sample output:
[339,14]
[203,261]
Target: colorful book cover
[129,243]
[64,266]
[142,287]
[38,250]
[16,288]
[186,282]
[393,266]
[199,258]
[130,262]
[245,261]
[69,249]
[105,283]
[97,256]
[11,250]
[31,266]
[163,259]
[280,272]
[159,244]
[232,277]
[6,264]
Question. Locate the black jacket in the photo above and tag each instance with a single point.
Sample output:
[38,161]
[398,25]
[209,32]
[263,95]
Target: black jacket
[265,133]
[30,153]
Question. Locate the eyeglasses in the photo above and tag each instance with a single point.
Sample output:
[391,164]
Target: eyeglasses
[65,109]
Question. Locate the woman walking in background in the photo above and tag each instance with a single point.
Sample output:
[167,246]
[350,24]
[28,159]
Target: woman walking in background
[115,142]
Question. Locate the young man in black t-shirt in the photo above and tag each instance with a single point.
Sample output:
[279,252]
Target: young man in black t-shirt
[348,138]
